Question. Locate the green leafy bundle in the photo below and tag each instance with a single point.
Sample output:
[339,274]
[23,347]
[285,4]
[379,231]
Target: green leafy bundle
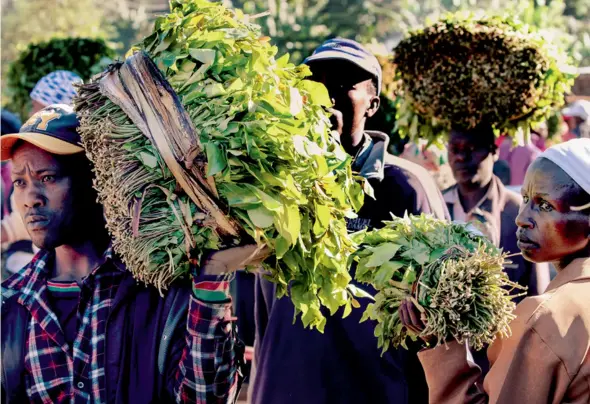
[271,164]
[464,71]
[453,276]
[83,56]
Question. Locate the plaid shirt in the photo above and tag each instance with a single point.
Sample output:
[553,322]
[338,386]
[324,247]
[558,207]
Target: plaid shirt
[58,373]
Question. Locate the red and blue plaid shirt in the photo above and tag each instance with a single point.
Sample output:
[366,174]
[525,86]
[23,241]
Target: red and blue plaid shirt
[59,373]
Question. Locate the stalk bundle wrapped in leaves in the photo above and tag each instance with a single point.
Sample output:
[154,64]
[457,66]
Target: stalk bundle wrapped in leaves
[463,72]
[452,275]
[224,144]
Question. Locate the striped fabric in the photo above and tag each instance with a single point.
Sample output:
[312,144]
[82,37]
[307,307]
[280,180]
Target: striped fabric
[63,287]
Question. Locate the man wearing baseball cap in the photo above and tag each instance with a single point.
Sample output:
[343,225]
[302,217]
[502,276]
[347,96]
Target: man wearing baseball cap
[294,365]
[76,327]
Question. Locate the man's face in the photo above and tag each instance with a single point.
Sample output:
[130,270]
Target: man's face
[351,90]
[43,195]
[470,158]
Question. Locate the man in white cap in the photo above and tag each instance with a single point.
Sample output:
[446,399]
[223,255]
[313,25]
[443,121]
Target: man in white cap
[576,115]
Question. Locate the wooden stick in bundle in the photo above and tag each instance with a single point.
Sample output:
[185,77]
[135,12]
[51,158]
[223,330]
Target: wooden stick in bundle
[139,89]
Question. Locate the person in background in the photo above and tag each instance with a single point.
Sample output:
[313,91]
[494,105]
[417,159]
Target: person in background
[432,158]
[519,158]
[55,88]
[577,116]
[17,248]
[76,326]
[294,365]
[539,137]
[546,357]
[502,171]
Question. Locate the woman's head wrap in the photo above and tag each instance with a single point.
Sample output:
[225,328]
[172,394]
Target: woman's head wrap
[573,157]
[56,88]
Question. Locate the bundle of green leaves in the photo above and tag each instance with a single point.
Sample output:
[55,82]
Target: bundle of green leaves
[464,71]
[453,275]
[83,56]
[276,172]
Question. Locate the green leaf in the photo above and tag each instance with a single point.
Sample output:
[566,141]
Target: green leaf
[261,217]
[359,292]
[281,247]
[382,254]
[206,56]
[385,272]
[318,93]
[216,160]
[148,160]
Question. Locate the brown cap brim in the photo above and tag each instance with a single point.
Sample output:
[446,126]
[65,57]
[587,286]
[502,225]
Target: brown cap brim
[47,143]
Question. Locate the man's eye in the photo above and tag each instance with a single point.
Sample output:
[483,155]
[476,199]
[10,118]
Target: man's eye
[48,178]
[18,183]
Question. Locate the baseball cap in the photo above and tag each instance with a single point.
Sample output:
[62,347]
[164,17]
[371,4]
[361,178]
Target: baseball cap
[351,51]
[52,129]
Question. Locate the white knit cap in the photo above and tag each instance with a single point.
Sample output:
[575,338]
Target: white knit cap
[573,157]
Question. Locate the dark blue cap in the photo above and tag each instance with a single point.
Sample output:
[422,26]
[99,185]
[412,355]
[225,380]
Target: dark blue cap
[351,51]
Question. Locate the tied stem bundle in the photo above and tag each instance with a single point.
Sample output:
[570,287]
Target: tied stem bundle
[203,140]
[452,275]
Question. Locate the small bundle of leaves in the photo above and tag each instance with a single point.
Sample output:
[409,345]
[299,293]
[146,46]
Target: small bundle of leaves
[453,276]
[263,145]
[464,71]
[83,56]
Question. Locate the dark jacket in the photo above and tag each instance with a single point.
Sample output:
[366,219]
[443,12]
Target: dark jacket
[295,365]
[144,343]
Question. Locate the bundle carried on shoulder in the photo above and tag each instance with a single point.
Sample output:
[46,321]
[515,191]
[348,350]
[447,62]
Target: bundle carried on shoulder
[464,71]
[203,140]
[451,273]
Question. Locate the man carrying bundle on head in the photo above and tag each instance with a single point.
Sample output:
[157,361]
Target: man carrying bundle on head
[344,365]
[76,326]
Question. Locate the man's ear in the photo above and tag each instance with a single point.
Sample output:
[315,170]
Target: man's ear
[374,104]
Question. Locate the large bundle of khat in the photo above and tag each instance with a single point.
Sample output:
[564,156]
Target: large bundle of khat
[202,140]
[452,275]
[465,71]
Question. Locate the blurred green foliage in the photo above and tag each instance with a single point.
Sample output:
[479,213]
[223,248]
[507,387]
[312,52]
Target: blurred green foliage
[83,56]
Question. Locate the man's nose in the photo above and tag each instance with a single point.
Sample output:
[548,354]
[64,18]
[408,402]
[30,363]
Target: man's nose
[33,197]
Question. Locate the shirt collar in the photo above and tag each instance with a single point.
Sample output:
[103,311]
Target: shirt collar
[31,277]
[451,197]
[578,269]
[363,154]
